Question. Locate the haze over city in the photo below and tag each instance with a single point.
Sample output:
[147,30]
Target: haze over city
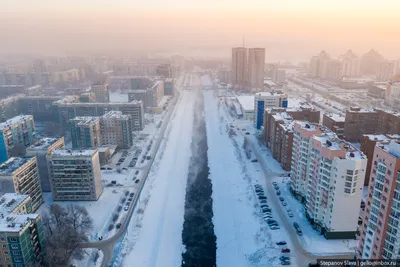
[289,30]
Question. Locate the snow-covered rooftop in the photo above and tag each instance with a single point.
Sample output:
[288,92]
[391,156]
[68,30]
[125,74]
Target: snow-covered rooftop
[11,98]
[273,93]
[246,101]
[114,114]
[74,152]
[67,99]
[43,143]
[16,222]
[9,201]
[329,140]
[12,164]
[85,120]
[336,117]
[15,120]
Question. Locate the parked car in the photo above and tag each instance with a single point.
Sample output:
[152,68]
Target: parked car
[254,160]
[137,181]
[247,133]
[288,210]
[126,208]
[281,199]
[243,129]
[278,192]
[281,243]
[137,172]
[118,225]
[285,262]
[274,183]
[263,201]
[290,214]
[296,225]
[284,203]
[299,232]
[285,250]
[131,194]
[274,227]
[262,197]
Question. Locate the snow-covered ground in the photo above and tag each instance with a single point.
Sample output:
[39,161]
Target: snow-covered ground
[155,234]
[243,238]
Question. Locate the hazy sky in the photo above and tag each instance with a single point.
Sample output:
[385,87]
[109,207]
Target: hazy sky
[288,29]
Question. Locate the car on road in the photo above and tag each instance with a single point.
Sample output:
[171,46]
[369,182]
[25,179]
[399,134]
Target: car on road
[281,243]
[136,172]
[254,160]
[281,199]
[137,181]
[285,250]
[284,203]
[278,192]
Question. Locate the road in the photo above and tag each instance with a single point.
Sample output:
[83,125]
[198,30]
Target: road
[107,245]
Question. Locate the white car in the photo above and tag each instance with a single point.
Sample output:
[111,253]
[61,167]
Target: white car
[288,210]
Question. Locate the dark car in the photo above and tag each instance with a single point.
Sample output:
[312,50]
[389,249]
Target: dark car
[278,192]
[254,160]
[243,129]
[281,199]
[131,194]
[285,250]
[296,225]
[281,243]
[262,197]
[284,258]
[137,172]
[247,133]
[137,181]
[118,226]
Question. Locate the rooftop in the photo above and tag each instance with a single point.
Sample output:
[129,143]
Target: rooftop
[74,152]
[329,140]
[9,201]
[308,126]
[115,114]
[12,164]
[67,100]
[93,104]
[14,121]
[11,98]
[246,101]
[16,222]
[85,121]
[273,93]
[43,143]
[336,117]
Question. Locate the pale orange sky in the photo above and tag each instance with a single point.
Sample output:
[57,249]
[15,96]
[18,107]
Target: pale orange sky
[294,28]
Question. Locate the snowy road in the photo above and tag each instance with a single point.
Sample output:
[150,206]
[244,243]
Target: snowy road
[159,239]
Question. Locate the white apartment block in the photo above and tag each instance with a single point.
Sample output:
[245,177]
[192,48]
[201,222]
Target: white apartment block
[75,174]
[116,129]
[21,175]
[265,100]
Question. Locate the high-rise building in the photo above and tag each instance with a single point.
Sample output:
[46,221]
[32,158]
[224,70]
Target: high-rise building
[21,175]
[349,65]
[330,69]
[316,68]
[328,174]
[256,63]
[335,123]
[385,71]
[380,227]
[41,149]
[16,134]
[368,143]
[239,68]
[369,62]
[85,132]
[169,87]
[41,107]
[101,93]
[265,100]
[116,129]
[75,174]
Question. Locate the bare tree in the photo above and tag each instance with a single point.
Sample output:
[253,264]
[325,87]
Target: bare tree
[65,228]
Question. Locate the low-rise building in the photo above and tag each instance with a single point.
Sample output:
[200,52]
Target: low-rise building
[16,134]
[335,123]
[75,174]
[380,227]
[15,203]
[21,175]
[41,149]
[85,132]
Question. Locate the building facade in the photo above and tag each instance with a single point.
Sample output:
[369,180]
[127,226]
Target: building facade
[21,175]
[116,129]
[385,71]
[256,64]
[328,174]
[239,68]
[41,149]
[16,134]
[380,227]
[85,132]
[101,93]
[335,123]
[75,174]
[169,87]
[267,100]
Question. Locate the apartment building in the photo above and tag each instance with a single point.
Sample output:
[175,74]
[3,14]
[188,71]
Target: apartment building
[169,87]
[9,107]
[41,149]
[21,175]
[350,65]
[256,64]
[335,123]
[327,175]
[283,142]
[75,174]
[239,68]
[316,68]
[385,71]
[154,94]
[116,129]
[265,100]
[16,134]
[41,107]
[380,227]
[101,93]
[68,111]
[85,132]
